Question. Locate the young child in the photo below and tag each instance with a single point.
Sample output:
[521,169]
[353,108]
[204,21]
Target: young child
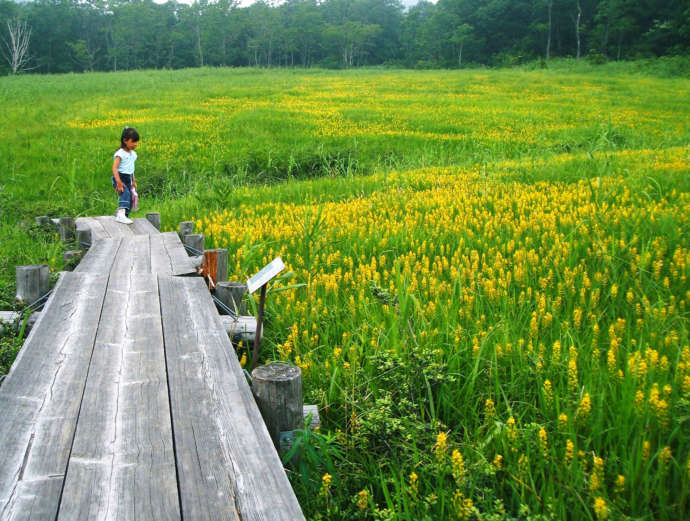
[123,173]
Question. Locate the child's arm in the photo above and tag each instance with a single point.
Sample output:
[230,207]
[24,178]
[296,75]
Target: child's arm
[119,186]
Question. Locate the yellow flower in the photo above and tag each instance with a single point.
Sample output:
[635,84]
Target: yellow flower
[414,484]
[569,452]
[584,408]
[601,510]
[596,478]
[620,485]
[498,462]
[325,484]
[563,421]
[543,442]
[463,506]
[441,446]
[363,499]
[489,408]
[458,466]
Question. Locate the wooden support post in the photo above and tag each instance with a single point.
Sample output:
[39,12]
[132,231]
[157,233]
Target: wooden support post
[84,238]
[66,228]
[231,293]
[71,258]
[185,228]
[315,418]
[33,281]
[42,220]
[15,319]
[277,389]
[194,241]
[242,329]
[155,219]
[215,266]
[259,327]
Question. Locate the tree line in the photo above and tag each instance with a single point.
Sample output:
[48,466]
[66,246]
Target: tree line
[87,35]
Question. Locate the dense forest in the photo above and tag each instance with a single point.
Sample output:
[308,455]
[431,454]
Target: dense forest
[52,36]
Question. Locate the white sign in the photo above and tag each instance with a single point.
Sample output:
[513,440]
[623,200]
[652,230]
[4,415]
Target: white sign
[265,275]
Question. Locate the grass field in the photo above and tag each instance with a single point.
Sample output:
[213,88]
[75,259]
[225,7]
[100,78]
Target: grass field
[488,270]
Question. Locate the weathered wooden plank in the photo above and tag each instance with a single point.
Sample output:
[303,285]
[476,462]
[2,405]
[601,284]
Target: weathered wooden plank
[168,256]
[41,396]
[122,465]
[114,228]
[181,262]
[139,247]
[160,260]
[100,256]
[225,457]
[142,226]
[97,229]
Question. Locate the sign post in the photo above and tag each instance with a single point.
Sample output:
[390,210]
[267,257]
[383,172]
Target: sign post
[260,280]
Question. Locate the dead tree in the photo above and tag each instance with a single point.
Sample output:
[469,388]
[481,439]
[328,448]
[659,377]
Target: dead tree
[15,49]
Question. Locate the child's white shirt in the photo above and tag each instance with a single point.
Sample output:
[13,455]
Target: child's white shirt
[127,160]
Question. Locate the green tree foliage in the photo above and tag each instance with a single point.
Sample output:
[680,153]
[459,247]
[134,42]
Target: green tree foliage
[86,35]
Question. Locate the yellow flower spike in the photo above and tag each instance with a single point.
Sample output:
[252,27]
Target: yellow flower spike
[596,478]
[326,480]
[584,408]
[414,484]
[601,510]
[563,421]
[543,442]
[646,448]
[363,499]
[441,446]
[458,467]
[489,409]
[619,487]
[463,506]
[548,393]
[569,452]
[665,459]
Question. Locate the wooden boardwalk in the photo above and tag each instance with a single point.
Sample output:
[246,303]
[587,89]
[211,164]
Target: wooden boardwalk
[127,401]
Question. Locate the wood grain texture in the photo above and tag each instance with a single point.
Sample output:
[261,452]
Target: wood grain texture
[114,228]
[122,465]
[99,257]
[225,457]
[97,229]
[180,262]
[40,398]
[142,226]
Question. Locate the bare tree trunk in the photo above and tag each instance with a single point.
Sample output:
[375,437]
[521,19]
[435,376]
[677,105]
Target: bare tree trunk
[198,44]
[460,53]
[577,28]
[16,50]
[548,36]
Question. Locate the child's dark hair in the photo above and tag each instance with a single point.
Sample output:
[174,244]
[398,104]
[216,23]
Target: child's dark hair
[129,133]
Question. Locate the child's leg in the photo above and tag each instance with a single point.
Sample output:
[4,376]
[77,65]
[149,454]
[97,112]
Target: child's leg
[125,198]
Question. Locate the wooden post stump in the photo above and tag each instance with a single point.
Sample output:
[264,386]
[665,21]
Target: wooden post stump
[33,281]
[84,238]
[215,266]
[231,293]
[185,228]
[42,220]
[71,258]
[155,219]
[66,228]
[277,389]
[194,241]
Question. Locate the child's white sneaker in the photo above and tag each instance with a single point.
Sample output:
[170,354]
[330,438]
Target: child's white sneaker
[122,218]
